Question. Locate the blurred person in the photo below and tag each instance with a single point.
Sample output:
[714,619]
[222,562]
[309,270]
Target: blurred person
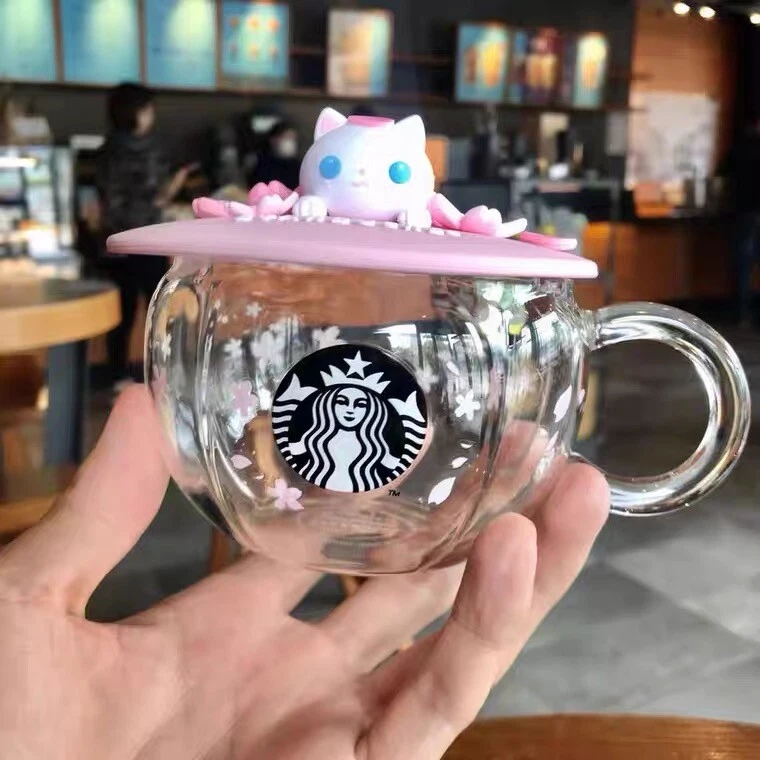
[222,670]
[279,158]
[135,185]
[741,167]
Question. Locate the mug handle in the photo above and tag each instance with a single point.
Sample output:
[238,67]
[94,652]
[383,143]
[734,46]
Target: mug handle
[728,398]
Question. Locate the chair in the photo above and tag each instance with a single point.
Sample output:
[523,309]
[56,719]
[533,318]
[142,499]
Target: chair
[26,492]
[606,737]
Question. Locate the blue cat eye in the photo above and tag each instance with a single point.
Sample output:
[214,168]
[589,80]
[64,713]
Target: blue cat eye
[329,167]
[400,172]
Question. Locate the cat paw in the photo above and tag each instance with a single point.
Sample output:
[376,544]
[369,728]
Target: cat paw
[310,207]
[417,219]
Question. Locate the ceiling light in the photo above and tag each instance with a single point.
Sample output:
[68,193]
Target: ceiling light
[681,9]
[754,18]
[707,12]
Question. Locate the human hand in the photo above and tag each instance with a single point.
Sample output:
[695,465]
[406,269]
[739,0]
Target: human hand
[185,171]
[221,671]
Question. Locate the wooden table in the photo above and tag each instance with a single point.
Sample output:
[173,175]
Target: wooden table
[606,737]
[60,316]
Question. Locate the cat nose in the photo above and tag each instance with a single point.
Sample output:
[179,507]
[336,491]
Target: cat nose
[362,171]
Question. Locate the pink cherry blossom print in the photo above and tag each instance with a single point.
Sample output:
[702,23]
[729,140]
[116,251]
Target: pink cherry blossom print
[239,462]
[286,499]
[244,400]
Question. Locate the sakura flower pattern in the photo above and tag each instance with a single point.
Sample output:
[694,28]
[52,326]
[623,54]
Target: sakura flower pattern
[244,400]
[253,310]
[562,406]
[327,337]
[244,406]
[233,349]
[165,346]
[286,499]
[467,406]
[239,462]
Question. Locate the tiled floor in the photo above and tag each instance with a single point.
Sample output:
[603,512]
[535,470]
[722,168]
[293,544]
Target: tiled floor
[664,619]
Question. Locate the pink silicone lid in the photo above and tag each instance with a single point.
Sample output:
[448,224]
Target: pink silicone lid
[352,245]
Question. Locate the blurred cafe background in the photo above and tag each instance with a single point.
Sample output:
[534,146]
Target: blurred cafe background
[633,125]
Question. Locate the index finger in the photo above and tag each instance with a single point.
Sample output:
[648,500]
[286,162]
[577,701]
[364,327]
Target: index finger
[516,572]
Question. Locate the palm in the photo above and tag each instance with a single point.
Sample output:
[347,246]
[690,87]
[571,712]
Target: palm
[222,671]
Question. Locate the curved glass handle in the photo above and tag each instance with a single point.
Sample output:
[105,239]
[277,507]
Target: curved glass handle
[728,399]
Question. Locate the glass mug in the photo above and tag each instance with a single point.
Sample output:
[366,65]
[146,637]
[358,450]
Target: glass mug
[365,421]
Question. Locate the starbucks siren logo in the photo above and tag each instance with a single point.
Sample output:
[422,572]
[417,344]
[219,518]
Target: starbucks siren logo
[349,418]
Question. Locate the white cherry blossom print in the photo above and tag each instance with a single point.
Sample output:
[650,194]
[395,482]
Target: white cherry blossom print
[467,405]
[327,337]
[253,310]
[286,499]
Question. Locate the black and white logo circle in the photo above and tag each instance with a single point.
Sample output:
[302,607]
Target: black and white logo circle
[349,418]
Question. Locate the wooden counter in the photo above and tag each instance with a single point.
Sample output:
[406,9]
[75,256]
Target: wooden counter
[665,260]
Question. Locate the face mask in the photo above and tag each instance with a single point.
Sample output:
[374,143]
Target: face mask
[287,148]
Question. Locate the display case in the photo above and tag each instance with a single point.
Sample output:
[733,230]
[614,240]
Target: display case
[36,210]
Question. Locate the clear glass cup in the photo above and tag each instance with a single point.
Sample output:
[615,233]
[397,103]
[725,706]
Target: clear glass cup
[372,422]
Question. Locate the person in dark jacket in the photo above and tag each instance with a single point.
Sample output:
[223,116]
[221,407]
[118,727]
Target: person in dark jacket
[134,184]
[279,158]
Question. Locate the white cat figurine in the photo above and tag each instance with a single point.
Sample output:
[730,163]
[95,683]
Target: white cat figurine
[369,168]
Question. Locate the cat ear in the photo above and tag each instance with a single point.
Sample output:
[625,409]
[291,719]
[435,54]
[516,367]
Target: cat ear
[328,120]
[411,130]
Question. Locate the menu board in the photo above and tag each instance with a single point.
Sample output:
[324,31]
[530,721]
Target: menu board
[482,62]
[542,67]
[27,40]
[590,71]
[518,67]
[180,43]
[255,43]
[101,41]
[359,52]
[569,61]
